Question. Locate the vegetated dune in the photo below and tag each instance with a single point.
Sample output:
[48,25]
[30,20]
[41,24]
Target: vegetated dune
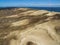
[24,26]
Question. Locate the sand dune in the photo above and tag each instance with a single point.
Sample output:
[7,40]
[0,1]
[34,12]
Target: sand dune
[23,26]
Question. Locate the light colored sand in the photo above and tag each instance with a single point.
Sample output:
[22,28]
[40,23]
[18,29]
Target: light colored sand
[20,23]
[38,33]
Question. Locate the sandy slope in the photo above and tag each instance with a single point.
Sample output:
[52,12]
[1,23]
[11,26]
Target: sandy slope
[40,26]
